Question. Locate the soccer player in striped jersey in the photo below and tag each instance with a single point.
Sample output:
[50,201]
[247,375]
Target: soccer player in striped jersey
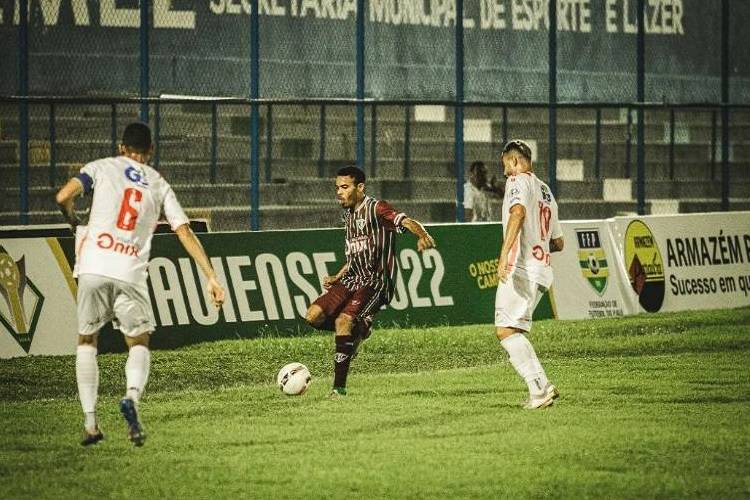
[366,281]
[112,253]
[531,231]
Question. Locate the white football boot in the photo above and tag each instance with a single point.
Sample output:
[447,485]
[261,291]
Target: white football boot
[546,399]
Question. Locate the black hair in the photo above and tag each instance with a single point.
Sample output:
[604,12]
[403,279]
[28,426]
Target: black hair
[475,166]
[137,136]
[519,146]
[354,172]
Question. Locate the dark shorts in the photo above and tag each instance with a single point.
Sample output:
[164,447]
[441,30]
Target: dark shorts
[362,303]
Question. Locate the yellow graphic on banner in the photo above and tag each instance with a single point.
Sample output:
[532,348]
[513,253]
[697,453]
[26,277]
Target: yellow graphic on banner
[593,264]
[21,302]
[12,283]
[645,265]
[591,259]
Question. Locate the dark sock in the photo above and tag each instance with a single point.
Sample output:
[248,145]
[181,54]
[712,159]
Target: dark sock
[329,324]
[362,328]
[344,350]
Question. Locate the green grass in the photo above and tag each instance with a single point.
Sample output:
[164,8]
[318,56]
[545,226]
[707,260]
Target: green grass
[651,406]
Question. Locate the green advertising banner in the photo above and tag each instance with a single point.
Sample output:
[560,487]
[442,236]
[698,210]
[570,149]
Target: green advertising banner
[272,277]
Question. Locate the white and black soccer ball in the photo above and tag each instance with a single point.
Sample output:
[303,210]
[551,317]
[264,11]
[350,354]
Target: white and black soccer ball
[593,264]
[294,379]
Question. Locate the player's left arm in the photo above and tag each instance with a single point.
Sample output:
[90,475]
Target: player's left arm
[557,243]
[65,199]
[424,240]
[398,221]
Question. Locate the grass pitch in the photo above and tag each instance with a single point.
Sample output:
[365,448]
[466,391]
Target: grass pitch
[651,406]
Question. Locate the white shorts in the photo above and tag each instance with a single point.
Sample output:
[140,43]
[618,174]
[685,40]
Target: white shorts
[515,302]
[102,299]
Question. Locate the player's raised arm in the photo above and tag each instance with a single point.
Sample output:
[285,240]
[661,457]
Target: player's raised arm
[193,247]
[424,240]
[65,199]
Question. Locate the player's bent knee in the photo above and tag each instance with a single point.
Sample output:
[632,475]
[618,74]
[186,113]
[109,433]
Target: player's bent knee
[141,339]
[344,324]
[315,316]
[503,332]
[87,339]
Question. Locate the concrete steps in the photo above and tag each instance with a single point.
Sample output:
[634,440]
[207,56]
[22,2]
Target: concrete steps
[83,134]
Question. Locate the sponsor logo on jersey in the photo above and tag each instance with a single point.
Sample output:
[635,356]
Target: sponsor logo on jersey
[357,245]
[106,241]
[592,259]
[22,301]
[645,265]
[136,176]
[546,195]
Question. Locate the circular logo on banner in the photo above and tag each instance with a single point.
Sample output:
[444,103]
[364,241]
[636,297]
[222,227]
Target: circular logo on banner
[645,266]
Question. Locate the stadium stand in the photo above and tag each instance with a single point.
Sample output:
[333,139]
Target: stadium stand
[292,186]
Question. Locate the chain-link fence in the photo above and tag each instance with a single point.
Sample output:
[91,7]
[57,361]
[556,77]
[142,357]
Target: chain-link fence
[421,121]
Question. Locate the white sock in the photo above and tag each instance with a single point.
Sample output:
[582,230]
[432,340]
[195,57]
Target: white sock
[136,371]
[524,360]
[87,376]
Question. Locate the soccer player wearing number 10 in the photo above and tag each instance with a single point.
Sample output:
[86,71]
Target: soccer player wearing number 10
[531,232]
[112,253]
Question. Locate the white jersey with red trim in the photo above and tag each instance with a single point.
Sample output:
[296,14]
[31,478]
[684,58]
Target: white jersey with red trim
[128,200]
[529,255]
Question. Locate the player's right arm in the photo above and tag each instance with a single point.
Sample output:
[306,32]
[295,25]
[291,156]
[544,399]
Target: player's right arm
[329,281]
[65,199]
[510,236]
[194,248]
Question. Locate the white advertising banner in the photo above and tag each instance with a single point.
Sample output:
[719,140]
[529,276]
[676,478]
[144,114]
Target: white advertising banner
[609,268]
[589,279]
[632,265]
[685,262]
[37,299]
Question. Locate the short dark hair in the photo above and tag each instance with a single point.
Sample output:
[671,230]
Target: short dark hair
[475,166]
[520,146]
[137,136]
[354,172]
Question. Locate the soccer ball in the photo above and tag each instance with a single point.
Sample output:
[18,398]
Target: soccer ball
[294,379]
[593,264]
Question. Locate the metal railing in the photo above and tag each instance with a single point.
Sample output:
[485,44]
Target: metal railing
[263,173]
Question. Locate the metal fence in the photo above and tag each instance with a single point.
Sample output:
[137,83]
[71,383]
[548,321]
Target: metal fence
[313,85]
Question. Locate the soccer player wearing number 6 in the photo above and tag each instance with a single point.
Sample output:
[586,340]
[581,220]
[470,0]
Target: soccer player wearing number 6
[112,253]
[531,232]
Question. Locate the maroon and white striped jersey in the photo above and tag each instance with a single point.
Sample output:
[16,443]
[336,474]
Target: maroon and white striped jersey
[371,245]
